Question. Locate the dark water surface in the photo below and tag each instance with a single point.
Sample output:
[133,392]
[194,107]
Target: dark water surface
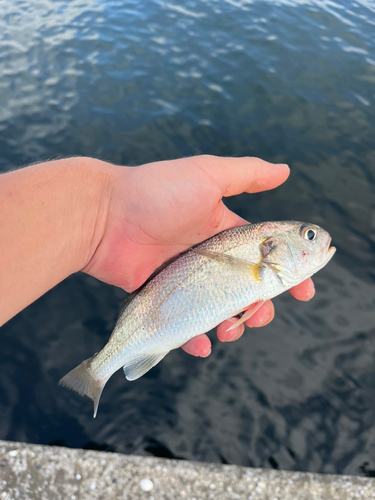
[130,82]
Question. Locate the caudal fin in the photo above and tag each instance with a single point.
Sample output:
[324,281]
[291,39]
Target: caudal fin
[81,380]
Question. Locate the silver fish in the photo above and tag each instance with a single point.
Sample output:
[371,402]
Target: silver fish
[209,283]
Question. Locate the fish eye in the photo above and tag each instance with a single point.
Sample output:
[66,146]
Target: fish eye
[307,232]
[310,235]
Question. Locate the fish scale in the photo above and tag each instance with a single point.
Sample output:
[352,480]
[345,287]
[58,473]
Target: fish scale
[193,293]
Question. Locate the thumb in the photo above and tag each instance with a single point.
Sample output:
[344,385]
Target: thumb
[240,175]
[230,219]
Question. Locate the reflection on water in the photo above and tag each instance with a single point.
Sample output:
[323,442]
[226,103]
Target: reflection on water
[133,82]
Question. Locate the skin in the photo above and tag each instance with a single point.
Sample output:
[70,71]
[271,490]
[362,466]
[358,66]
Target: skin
[119,224]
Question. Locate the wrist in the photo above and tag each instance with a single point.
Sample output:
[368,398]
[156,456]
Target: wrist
[89,188]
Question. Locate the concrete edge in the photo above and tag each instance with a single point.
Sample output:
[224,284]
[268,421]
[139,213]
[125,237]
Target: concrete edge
[49,472]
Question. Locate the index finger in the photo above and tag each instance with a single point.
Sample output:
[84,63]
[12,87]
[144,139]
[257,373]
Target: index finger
[240,175]
[304,291]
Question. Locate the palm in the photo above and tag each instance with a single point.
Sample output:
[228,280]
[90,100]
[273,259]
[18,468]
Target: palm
[161,209]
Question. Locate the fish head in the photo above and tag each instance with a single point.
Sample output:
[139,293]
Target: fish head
[296,249]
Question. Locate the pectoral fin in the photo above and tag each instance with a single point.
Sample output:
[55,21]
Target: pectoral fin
[139,366]
[285,276]
[267,249]
[247,315]
[230,260]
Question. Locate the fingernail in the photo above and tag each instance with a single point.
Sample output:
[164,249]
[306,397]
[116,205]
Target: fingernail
[227,336]
[283,165]
[310,294]
[238,334]
[263,321]
[205,355]
[232,335]
[266,320]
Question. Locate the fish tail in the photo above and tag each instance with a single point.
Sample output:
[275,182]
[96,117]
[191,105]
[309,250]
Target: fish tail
[81,380]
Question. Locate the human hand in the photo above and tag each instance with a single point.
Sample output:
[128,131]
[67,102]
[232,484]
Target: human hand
[158,210]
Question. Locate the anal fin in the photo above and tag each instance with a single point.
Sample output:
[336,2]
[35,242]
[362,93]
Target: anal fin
[139,366]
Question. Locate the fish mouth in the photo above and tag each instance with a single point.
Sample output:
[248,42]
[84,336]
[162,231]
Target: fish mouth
[330,250]
[328,256]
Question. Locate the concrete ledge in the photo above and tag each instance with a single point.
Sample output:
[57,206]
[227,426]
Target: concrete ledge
[52,473]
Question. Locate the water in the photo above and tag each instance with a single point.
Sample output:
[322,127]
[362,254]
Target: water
[132,82]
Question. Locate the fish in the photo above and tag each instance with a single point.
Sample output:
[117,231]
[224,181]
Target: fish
[194,292]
